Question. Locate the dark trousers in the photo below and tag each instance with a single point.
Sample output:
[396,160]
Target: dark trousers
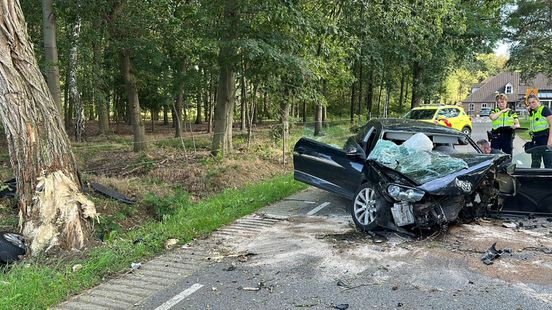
[502,142]
[543,156]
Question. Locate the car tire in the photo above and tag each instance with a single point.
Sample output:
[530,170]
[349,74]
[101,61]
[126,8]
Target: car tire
[467,130]
[370,209]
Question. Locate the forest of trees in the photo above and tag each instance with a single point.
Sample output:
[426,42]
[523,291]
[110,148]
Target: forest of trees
[118,61]
[242,61]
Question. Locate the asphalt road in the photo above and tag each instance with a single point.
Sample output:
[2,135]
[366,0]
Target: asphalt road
[304,253]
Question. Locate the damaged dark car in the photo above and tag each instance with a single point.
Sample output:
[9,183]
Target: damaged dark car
[406,175]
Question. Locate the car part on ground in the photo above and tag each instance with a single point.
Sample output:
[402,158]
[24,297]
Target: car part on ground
[492,253]
[7,189]
[12,247]
[111,193]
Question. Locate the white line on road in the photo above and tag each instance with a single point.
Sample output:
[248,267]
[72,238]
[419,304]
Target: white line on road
[320,207]
[178,298]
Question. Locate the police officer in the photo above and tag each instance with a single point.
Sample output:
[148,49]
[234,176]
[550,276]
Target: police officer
[539,126]
[504,120]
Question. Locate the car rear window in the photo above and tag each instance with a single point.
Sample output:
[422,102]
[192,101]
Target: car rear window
[420,114]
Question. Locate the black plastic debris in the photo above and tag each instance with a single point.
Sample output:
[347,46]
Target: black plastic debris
[12,247]
[7,189]
[492,253]
[341,306]
[109,192]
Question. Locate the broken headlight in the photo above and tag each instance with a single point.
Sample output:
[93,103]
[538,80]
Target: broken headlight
[403,193]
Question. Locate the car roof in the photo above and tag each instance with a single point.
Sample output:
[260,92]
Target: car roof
[427,107]
[400,124]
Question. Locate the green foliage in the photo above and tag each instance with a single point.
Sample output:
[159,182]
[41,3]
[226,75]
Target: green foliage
[530,32]
[164,206]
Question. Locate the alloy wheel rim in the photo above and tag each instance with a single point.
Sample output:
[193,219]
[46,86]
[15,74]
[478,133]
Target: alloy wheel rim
[365,206]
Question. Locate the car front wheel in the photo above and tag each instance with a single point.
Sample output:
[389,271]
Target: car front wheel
[370,209]
[466,130]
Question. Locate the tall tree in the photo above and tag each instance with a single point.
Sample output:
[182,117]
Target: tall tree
[530,30]
[223,115]
[53,210]
[51,52]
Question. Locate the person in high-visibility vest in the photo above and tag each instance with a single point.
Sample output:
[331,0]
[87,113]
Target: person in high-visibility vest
[504,120]
[539,127]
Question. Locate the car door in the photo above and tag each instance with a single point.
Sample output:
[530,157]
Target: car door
[533,193]
[329,168]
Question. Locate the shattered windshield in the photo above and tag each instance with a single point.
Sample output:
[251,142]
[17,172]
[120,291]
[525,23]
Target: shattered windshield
[416,160]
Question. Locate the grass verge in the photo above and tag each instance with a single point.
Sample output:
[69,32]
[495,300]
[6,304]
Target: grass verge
[38,285]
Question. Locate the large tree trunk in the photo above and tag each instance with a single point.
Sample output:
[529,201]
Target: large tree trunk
[224,108]
[353,96]
[74,93]
[370,92]
[284,117]
[100,95]
[133,103]
[177,109]
[415,84]
[243,99]
[53,210]
[401,95]
[51,52]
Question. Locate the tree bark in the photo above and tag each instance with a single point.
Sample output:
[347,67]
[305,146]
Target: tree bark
[284,108]
[133,103]
[100,94]
[51,52]
[74,93]
[243,99]
[52,209]
[401,94]
[177,110]
[198,107]
[223,114]
[370,92]
[353,96]
[415,83]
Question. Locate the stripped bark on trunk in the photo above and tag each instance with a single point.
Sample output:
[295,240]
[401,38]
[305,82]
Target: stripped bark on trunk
[53,211]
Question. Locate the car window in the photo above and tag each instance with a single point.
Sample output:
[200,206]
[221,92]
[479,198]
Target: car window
[453,112]
[420,114]
[442,112]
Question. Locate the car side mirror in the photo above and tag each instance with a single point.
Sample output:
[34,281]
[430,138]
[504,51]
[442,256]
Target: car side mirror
[353,150]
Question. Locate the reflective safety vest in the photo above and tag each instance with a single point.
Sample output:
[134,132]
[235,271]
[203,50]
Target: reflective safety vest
[504,120]
[538,122]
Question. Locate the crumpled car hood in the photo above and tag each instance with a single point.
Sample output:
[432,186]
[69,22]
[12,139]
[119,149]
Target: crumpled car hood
[462,182]
[466,180]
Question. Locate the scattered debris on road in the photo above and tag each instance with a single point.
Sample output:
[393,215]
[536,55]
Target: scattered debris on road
[492,253]
[134,266]
[170,243]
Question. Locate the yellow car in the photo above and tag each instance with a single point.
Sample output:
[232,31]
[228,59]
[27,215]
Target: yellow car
[447,115]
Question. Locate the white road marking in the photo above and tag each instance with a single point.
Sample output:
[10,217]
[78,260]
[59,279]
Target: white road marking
[178,298]
[320,207]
